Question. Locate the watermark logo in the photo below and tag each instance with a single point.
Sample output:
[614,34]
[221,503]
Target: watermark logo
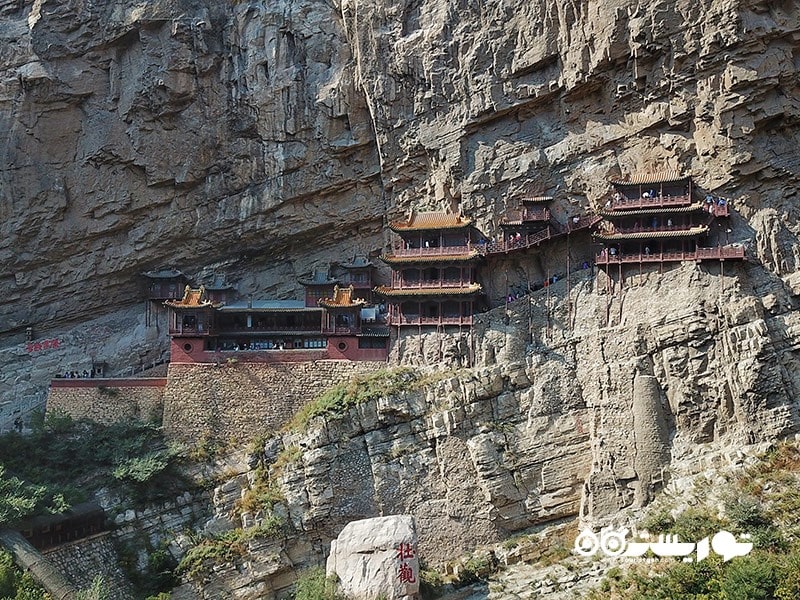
[613,542]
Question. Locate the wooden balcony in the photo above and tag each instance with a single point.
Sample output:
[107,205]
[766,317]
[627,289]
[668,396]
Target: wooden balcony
[418,320]
[191,331]
[266,330]
[719,253]
[527,214]
[437,251]
[341,330]
[431,283]
[624,204]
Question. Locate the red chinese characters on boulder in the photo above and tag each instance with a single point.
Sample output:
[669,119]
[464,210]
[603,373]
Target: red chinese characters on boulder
[406,573]
[43,345]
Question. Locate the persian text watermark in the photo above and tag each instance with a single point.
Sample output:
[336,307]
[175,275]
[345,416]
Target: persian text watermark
[613,542]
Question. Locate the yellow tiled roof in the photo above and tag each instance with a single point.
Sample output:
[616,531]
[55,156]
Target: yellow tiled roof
[192,298]
[651,178]
[342,298]
[393,259]
[651,211]
[472,288]
[649,235]
[430,220]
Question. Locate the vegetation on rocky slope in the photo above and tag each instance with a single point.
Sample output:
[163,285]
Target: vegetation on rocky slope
[359,389]
[763,503]
[63,461]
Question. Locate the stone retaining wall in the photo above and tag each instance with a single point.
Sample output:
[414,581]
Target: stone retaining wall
[108,400]
[83,560]
[242,400]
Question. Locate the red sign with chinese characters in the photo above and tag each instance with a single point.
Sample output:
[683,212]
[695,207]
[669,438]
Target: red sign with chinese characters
[43,345]
[406,573]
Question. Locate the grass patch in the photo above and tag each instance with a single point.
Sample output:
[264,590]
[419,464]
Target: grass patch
[226,548]
[361,388]
[312,584]
[288,456]
[262,495]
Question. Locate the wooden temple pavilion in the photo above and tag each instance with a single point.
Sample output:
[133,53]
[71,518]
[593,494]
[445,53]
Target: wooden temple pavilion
[531,224]
[433,264]
[204,331]
[319,285]
[532,216]
[220,291]
[360,274]
[657,219]
[166,284]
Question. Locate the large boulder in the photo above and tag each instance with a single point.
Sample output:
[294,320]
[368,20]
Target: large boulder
[377,557]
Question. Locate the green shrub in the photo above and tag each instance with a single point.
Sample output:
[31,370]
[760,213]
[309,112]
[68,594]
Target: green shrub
[658,522]
[227,547]
[749,578]
[141,469]
[312,584]
[97,591]
[64,460]
[431,583]
[476,568]
[695,524]
[361,388]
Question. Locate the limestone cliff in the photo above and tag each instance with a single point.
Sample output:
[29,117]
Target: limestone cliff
[586,417]
[258,138]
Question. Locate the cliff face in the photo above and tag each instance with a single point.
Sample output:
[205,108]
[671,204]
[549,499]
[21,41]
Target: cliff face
[257,138]
[181,132]
[560,418]
[233,134]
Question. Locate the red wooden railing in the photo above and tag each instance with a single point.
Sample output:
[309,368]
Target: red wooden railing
[624,204]
[719,253]
[415,320]
[432,283]
[437,251]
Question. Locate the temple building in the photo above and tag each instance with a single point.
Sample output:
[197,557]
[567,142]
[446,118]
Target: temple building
[319,285]
[360,274]
[531,224]
[433,262]
[166,284]
[531,217]
[206,331]
[657,219]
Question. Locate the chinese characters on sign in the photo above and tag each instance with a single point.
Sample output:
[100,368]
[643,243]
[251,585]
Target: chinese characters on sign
[43,345]
[406,573]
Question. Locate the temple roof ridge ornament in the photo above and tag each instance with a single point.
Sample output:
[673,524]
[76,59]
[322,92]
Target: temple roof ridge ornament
[342,298]
[193,298]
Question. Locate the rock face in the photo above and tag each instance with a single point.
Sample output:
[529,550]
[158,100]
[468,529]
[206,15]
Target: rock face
[258,138]
[376,558]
